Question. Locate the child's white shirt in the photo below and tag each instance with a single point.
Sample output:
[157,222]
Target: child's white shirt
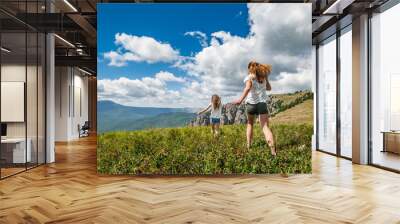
[215,113]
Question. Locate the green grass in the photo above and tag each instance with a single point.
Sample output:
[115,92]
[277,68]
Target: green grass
[194,151]
[301,113]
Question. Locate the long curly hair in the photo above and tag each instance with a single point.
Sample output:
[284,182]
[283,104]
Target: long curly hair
[258,70]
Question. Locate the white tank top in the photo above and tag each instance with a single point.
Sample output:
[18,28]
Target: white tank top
[217,112]
[257,93]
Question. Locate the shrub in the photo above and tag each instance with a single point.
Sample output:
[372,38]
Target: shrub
[194,151]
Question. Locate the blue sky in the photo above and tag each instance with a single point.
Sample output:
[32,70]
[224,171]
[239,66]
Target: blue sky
[166,23]
[178,55]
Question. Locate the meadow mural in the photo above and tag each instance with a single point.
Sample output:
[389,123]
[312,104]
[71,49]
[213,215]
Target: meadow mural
[199,89]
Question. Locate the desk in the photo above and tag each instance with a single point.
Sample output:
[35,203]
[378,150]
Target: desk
[391,141]
[16,147]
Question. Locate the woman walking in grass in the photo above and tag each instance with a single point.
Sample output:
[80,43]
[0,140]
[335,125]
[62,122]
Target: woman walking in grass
[256,88]
[216,113]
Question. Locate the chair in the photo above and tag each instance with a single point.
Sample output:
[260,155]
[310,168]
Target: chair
[84,130]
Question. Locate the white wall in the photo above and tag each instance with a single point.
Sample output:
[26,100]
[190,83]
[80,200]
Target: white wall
[80,110]
[33,126]
[17,73]
[62,82]
[12,73]
[71,87]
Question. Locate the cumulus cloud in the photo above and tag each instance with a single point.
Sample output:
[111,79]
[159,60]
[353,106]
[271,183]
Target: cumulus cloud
[202,37]
[168,77]
[140,49]
[291,82]
[147,91]
[280,35]
[116,59]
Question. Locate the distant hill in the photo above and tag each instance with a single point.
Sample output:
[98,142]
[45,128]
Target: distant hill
[277,104]
[287,108]
[301,113]
[113,116]
[174,119]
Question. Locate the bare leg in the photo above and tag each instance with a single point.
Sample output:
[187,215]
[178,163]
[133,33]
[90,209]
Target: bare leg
[216,128]
[269,137]
[249,133]
[213,129]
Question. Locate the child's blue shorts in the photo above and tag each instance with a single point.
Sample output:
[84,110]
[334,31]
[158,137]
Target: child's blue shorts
[215,120]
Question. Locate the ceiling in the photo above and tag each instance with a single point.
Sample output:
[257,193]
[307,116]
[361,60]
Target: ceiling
[75,22]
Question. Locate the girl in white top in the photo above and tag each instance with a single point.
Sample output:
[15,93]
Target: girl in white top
[257,85]
[216,113]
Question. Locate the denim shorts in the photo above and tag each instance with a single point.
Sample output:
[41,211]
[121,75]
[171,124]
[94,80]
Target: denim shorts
[215,120]
[257,109]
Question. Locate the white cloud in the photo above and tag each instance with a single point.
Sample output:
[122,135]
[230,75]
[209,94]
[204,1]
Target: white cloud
[115,59]
[280,34]
[140,49]
[291,82]
[168,77]
[202,37]
[145,92]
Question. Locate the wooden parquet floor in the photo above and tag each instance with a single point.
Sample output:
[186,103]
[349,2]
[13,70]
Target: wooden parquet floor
[70,191]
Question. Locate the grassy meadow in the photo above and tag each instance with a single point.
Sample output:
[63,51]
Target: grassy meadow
[194,151]
[301,113]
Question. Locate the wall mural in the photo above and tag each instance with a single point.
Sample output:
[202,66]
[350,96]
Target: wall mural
[195,89]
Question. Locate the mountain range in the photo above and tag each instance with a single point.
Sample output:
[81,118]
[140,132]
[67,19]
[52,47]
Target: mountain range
[116,117]
[113,116]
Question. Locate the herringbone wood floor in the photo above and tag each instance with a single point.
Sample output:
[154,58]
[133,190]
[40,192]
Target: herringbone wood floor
[70,191]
